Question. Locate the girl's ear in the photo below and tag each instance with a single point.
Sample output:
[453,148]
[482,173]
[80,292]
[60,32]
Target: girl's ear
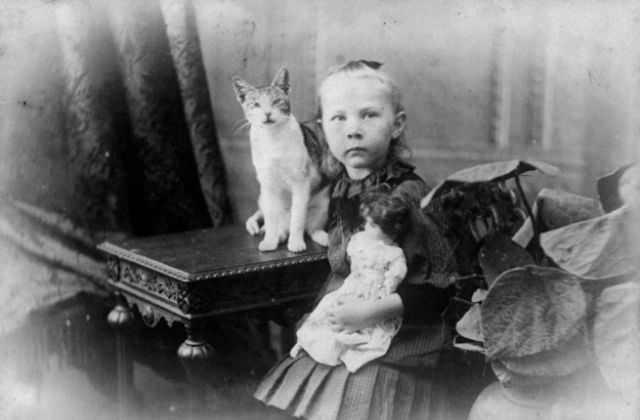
[282,80]
[399,123]
[241,87]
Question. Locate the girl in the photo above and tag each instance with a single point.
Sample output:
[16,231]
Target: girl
[377,268]
[363,121]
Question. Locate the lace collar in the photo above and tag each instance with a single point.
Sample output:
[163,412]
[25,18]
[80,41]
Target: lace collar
[346,187]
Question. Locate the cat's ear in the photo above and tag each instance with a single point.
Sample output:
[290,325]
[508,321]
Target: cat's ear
[282,80]
[241,87]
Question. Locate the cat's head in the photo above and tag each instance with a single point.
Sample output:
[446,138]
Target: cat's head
[267,105]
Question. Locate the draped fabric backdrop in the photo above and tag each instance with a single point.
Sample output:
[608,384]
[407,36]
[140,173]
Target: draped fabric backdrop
[106,128]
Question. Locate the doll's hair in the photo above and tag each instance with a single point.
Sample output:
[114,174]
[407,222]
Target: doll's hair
[367,69]
[389,212]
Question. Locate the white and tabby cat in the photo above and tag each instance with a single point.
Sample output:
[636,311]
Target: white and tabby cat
[293,195]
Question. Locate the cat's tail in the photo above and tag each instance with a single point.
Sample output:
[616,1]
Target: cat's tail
[317,216]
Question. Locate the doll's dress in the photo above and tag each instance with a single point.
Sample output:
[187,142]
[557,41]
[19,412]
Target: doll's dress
[377,269]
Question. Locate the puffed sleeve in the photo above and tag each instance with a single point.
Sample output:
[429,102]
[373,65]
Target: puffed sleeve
[424,292]
[411,191]
[429,257]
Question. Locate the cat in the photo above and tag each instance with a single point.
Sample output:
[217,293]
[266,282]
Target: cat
[294,195]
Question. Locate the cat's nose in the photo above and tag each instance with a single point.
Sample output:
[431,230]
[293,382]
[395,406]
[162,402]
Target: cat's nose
[267,114]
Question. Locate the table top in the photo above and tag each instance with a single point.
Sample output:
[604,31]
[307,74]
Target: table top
[207,253]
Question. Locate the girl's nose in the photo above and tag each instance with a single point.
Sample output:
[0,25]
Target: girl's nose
[353,131]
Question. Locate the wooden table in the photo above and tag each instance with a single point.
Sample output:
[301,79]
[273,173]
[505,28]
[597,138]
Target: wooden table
[191,277]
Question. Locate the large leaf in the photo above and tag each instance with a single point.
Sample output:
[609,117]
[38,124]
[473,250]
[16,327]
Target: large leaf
[499,254]
[616,336]
[468,346]
[510,378]
[545,367]
[553,209]
[562,361]
[602,247]
[499,171]
[530,310]
[470,326]
[556,208]
[488,172]
[608,189]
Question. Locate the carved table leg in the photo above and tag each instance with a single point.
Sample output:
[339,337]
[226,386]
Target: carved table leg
[120,315]
[125,391]
[194,347]
[197,371]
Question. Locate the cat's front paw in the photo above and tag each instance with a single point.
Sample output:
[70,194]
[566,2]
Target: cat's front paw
[296,245]
[253,225]
[268,245]
[320,237]
[282,236]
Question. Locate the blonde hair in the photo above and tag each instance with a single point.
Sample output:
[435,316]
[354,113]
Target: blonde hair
[367,69]
[398,149]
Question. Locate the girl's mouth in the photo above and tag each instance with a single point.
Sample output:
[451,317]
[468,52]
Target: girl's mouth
[355,150]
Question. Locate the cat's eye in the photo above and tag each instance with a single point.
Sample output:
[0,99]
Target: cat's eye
[255,105]
[276,102]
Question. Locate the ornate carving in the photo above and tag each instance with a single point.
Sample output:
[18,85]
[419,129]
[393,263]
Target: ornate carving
[158,285]
[126,273]
[252,289]
[113,269]
[151,314]
[255,288]
[148,315]
[120,315]
[195,350]
[194,347]
[195,299]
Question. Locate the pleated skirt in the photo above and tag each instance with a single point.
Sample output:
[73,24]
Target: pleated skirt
[401,385]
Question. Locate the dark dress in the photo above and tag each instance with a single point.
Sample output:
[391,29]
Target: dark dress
[400,384]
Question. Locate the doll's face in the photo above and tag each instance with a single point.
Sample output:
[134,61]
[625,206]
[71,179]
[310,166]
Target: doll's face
[373,230]
[359,122]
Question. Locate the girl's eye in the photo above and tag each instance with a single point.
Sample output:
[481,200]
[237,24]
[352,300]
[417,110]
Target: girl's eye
[369,114]
[337,118]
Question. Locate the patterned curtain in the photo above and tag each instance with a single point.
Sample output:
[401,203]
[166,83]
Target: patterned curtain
[106,127]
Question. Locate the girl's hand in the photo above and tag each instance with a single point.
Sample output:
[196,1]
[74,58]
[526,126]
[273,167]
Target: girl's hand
[351,314]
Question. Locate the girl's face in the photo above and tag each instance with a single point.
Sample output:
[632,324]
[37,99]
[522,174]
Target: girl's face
[359,122]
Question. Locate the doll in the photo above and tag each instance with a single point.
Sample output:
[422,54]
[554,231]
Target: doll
[377,268]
